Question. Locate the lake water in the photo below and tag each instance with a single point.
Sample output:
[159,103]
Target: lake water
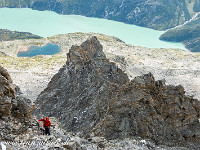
[47,23]
[48,49]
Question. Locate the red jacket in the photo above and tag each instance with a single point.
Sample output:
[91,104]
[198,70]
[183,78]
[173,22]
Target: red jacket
[46,122]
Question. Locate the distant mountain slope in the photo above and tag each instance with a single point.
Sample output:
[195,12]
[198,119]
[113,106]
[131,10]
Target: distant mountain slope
[189,34]
[156,14]
[7,35]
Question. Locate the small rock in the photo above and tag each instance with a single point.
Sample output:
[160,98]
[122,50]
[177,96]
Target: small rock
[3,147]
[68,147]
[76,146]
[83,147]
[97,139]
[101,145]
[65,138]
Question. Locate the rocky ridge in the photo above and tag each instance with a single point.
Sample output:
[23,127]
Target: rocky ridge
[90,94]
[88,68]
[15,110]
[33,74]
[19,131]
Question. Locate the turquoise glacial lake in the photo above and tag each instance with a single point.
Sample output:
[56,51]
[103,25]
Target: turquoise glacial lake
[48,23]
[48,49]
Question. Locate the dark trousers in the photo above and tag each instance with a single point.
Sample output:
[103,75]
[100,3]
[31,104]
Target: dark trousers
[47,130]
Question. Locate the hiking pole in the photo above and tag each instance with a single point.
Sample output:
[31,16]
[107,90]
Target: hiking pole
[38,135]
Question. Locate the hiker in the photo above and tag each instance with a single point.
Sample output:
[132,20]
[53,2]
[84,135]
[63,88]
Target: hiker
[47,125]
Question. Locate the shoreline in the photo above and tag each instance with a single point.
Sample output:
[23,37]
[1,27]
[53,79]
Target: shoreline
[26,48]
[23,48]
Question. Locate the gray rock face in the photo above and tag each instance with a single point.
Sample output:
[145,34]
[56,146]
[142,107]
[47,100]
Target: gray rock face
[91,94]
[150,109]
[14,109]
[79,94]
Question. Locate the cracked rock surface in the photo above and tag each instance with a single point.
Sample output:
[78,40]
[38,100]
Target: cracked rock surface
[90,94]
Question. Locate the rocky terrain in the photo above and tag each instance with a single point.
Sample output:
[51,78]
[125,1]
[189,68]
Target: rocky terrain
[33,74]
[7,35]
[90,94]
[19,131]
[15,110]
[62,140]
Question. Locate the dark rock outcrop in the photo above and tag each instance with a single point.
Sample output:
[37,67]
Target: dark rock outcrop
[15,110]
[150,109]
[91,94]
[80,93]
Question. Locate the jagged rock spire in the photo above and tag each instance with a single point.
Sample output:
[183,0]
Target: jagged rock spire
[82,89]
[91,94]
[90,49]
